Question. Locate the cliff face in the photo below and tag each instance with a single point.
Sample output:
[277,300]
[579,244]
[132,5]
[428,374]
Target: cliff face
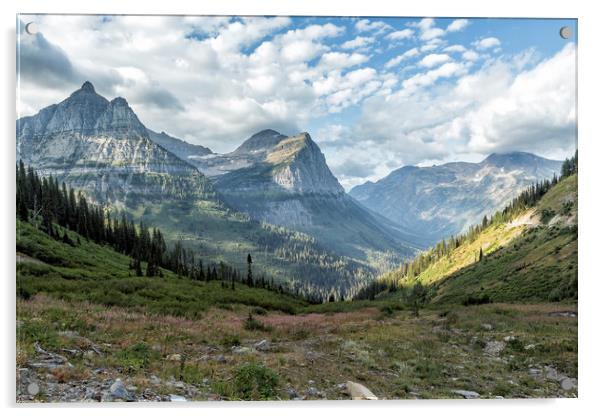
[102,147]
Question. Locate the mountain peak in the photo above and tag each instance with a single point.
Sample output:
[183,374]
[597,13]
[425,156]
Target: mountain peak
[87,87]
[515,159]
[260,141]
[119,102]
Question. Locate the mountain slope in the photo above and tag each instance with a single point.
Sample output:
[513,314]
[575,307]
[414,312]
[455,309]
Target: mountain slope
[531,257]
[444,200]
[285,181]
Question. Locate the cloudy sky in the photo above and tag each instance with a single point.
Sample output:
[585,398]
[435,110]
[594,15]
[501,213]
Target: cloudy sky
[375,93]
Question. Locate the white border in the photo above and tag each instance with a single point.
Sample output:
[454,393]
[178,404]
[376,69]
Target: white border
[590,232]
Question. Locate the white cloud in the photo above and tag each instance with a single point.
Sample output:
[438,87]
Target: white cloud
[487,43]
[377,26]
[358,42]
[457,25]
[398,59]
[500,107]
[428,78]
[455,48]
[400,34]
[338,60]
[470,55]
[434,59]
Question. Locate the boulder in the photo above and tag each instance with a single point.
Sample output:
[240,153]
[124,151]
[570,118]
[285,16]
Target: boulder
[119,392]
[262,345]
[467,394]
[359,392]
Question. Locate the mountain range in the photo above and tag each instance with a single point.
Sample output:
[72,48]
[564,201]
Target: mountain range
[102,148]
[440,201]
[274,195]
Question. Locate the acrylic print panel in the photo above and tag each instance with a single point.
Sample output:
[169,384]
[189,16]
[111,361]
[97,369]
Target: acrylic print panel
[295,208]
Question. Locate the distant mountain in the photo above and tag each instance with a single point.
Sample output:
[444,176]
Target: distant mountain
[439,201]
[101,146]
[182,149]
[285,181]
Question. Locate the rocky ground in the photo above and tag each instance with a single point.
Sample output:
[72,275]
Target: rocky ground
[92,353]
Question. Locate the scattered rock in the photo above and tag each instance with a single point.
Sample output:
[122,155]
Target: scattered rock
[467,394]
[292,393]
[262,345]
[534,371]
[359,392]
[220,358]
[494,347]
[176,398]
[154,380]
[529,347]
[241,350]
[552,374]
[564,314]
[487,327]
[314,392]
[118,391]
[499,397]
[174,357]
[33,388]
[509,338]
[566,383]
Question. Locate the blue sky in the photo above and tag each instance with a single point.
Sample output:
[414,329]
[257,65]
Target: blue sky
[375,93]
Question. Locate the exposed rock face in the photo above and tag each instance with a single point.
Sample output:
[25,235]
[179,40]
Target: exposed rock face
[184,150]
[443,200]
[285,181]
[101,146]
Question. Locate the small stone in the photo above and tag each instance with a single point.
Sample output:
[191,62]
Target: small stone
[174,357]
[566,383]
[262,345]
[494,347]
[292,393]
[119,391]
[241,350]
[220,358]
[154,380]
[176,398]
[534,371]
[467,394]
[529,347]
[33,388]
[312,391]
[509,338]
[487,327]
[499,397]
[89,354]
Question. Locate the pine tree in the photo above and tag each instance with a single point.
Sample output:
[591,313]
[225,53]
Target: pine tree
[249,272]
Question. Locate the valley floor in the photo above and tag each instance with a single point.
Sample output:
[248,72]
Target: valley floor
[77,351]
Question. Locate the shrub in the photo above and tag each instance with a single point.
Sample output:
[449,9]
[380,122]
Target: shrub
[252,324]
[135,357]
[476,300]
[255,382]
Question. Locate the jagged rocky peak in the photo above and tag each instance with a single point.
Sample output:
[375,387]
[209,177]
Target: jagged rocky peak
[261,141]
[87,87]
[118,117]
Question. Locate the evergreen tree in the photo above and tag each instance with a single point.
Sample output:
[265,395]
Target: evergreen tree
[249,272]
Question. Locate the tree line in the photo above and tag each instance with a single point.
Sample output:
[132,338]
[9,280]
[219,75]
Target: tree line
[408,271]
[41,201]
